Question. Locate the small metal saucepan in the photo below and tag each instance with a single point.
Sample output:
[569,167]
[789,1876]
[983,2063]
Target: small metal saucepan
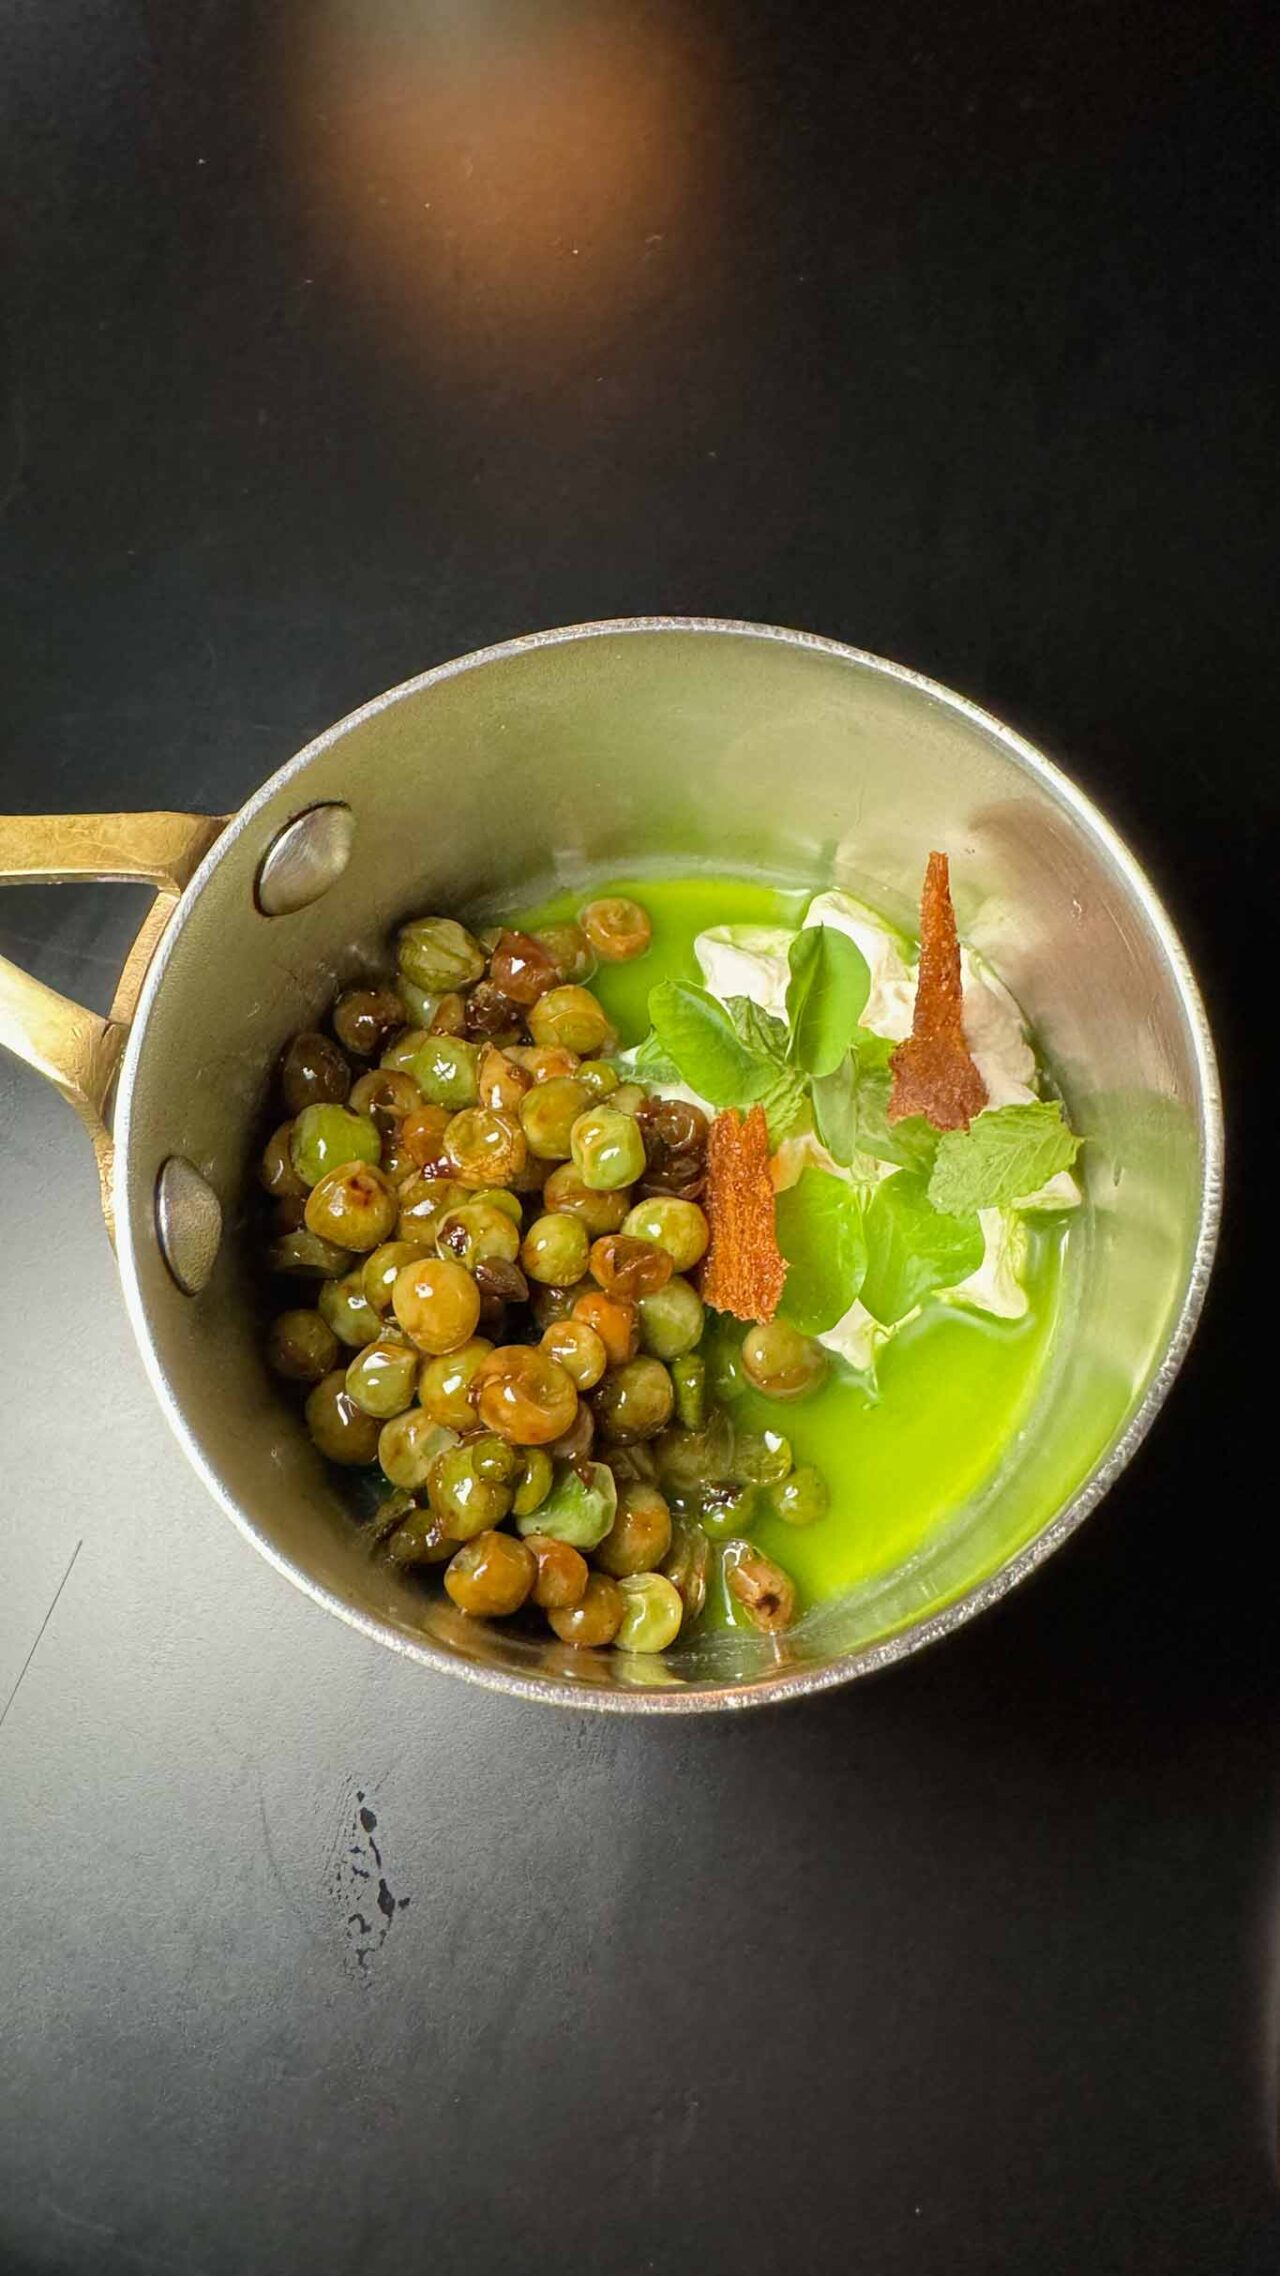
[609,747]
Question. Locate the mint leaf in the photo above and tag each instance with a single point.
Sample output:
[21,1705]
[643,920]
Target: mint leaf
[698,1035]
[913,1248]
[830,983]
[783,1101]
[819,1223]
[834,1111]
[910,1143]
[1006,1152]
[648,1058]
[760,1030]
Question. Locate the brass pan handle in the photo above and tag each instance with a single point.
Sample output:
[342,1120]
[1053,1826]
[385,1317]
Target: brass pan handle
[77,1050]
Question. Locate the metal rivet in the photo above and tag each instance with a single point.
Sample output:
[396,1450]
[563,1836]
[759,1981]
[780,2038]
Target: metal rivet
[188,1223]
[304,859]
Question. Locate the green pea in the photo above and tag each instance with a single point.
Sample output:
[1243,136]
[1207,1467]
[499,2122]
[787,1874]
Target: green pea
[445,1070]
[326,1137]
[628,1098]
[347,1309]
[305,1256]
[383,1377]
[548,1113]
[688,1460]
[781,1362]
[608,1150]
[313,1071]
[301,1346]
[421,1004]
[494,1460]
[421,1538]
[537,1474]
[464,1500]
[580,1507]
[652,1613]
[679,1227]
[409,1446]
[634,1400]
[403,1049]
[672,1319]
[726,1375]
[569,949]
[640,1535]
[555,1250]
[727,1510]
[379,1272]
[497,1197]
[338,1427]
[474,1230]
[802,1498]
[598,1077]
[689,1379]
[438,953]
[763,1457]
[569,1019]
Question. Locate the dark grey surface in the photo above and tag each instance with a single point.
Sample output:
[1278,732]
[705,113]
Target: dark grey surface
[949,338]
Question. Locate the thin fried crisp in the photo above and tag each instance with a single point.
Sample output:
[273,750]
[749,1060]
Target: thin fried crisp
[743,1271]
[933,1073]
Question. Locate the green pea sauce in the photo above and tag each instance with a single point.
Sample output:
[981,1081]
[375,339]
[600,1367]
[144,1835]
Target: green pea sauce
[953,1387]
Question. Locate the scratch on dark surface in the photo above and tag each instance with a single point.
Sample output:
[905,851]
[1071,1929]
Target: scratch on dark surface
[357,1866]
[269,1846]
[40,1632]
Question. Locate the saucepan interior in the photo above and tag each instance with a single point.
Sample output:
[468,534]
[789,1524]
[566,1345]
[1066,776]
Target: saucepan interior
[678,745]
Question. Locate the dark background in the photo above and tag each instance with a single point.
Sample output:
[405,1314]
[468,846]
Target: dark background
[344,338]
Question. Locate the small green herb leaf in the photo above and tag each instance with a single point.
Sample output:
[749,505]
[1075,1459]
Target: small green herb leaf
[784,1102]
[647,1058]
[760,1030]
[830,983]
[1005,1153]
[910,1143]
[834,1111]
[696,1032]
[912,1248]
[820,1234]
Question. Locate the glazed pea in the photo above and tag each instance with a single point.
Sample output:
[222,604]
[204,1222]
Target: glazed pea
[444,1384]
[576,1443]
[301,1346]
[802,1498]
[616,928]
[484,1147]
[364,1017]
[378,1273]
[491,1017]
[446,1071]
[691,1460]
[758,1587]
[356,1206]
[461,1498]
[543,1062]
[537,1473]
[562,1572]
[437,1304]
[449,1016]
[525,1395]
[554,1250]
[474,1230]
[763,1456]
[522,967]
[615,1320]
[344,1305]
[569,949]
[313,1072]
[689,1382]
[579,1349]
[409,1446]
[289,1212]
[595,1618]
[687,1565]
[671,1322]
[383,1378]
[782,1363]
[569,1019]
[438,954]
[635,1400]
[422,1133]
[419,1003]
[499,1197]
[499,1082]
[608,1150]
[598,1077]
[600,1212]
[397,1161]
[326,1137]
[385,1096]
[549,1305]
[490,1576]
[652,1610]
[548,1113]
[422,1538]
[303,1256]
[276,1174]
[679,1227]
[727,1510]
[640,1535]
[399,1055]
[338,1427]
[423,1201]
[627,1267]
[726,1376]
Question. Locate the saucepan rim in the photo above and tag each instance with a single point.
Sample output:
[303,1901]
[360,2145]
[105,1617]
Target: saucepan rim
[789,1683]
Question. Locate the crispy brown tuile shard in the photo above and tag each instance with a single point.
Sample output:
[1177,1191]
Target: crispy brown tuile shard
[933,1073]
[743,1272]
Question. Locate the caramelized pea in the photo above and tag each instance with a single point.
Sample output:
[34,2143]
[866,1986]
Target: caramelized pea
[543,1062]
[444,1385]
[356,1206]
[491,1575]
[562,1572]
[525,1395]
[536,1478]
[409,1446]
[475,1230]
[449,1016]
[484,1147]
[337,1425]
[304,1256]
[579,1350]
[625,1266]
[445,1069]
[491,1017]
[782,1363]
[687,1565]
[500,1083]
[383,1377]
[554,1250]
[522,967]
[437,1304]
[598,1077]
[422,1133]
[423,1200]
[421,1538]
[464,1500]
[759,1588]
[548,1113]
[569,949]
[401,1052]
[313,1072]
[385,1096]
[608,1150]
[378,1273]
[277,1175]
[600,1212]
[595,1618]
[438,954]
[617,929]
[301,1346]
[640,1535]
[364,1017]
[615,1320]
[635,1400]
[344,1305]
[729,1509]
[569,1018]
[679,1227]
[764,1456]
[651,1615]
